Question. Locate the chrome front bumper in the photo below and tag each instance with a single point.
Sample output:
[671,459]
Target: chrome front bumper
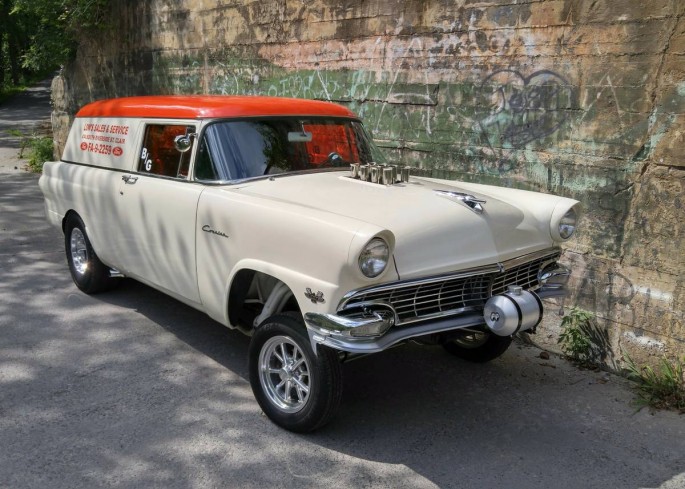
[338,331]
[335,331]
[378,332]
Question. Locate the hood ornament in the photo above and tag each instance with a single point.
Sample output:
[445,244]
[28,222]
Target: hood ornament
[475,204]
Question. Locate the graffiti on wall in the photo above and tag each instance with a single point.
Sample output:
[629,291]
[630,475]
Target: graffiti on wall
[506,111]
[523,108]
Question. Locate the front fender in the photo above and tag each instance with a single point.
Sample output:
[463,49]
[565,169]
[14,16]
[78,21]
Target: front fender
[302,247]
[296,281]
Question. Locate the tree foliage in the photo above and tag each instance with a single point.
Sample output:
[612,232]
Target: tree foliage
[37,36]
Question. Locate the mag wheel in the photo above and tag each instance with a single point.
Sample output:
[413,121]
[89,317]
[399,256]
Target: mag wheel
[296,389]
[88,272]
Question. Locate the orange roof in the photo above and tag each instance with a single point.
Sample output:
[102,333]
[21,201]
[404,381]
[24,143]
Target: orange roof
[210,106]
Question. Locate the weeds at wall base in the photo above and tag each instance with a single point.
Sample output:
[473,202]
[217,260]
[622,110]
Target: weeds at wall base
[582,341]
[663,388]
[586,345]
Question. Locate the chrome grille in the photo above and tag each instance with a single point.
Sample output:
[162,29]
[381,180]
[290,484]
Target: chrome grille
[429,298]
[524,275]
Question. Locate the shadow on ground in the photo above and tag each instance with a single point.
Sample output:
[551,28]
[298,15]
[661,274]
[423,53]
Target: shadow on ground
[133,389]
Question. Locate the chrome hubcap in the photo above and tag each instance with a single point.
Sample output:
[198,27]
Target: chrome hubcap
[79,251]
[284,374]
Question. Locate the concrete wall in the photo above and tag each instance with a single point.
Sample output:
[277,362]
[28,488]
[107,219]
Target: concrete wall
[583,99]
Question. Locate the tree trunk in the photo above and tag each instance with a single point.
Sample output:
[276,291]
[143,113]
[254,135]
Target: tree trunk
[2,57]
[13,51]
[4,27]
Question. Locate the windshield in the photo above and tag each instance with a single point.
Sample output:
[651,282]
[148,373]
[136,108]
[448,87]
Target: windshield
[233,150]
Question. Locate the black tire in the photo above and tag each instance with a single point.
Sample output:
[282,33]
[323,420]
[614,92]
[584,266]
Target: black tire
[89,274]
[478,347]
[292,408]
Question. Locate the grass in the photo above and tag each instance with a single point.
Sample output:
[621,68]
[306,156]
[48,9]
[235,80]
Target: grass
[663,388]
[7,93]
[38,149]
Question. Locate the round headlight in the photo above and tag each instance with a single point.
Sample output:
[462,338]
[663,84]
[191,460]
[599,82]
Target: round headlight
[567,224]
[374,257]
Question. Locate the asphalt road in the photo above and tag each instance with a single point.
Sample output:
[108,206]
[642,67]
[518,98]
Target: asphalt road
[133,389]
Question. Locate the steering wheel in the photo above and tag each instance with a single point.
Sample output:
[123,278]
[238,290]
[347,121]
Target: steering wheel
[333,159]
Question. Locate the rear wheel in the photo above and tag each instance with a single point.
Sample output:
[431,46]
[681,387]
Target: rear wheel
[477,346]
[296,389]
[88,272]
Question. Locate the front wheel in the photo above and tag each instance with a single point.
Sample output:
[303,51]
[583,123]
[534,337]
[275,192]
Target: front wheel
[296,389]
[477,346]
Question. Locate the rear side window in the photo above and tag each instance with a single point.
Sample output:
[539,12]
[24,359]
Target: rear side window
[159,155]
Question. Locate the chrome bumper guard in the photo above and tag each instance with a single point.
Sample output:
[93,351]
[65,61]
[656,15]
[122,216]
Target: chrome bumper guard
[554,277]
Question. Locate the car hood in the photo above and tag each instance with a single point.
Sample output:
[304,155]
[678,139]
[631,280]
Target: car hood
[434,231]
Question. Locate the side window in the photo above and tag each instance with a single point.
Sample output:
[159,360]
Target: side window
[159,155]
[241,149]
[204,166]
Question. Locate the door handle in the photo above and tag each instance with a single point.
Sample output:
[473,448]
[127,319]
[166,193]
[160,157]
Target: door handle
[129,179]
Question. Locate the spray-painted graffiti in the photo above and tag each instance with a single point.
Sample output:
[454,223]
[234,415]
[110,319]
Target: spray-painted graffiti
[478,127]
[523,108]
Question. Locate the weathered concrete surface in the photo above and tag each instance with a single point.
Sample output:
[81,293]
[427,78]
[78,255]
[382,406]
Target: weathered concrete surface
[132,389]
[583,99]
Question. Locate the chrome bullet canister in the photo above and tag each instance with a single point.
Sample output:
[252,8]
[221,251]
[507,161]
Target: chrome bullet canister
[354,170]
[375,174]
[364,172]
[386,177]
[394,173]
[405,174]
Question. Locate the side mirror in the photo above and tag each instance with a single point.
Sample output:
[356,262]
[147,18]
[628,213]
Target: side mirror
[184,143]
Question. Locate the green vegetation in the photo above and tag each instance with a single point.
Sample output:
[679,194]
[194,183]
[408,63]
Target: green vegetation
[660,389]
[576,339]
[38,36]
[38,149]
[587,345]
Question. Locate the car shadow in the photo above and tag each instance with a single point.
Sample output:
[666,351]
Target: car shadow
[534,422]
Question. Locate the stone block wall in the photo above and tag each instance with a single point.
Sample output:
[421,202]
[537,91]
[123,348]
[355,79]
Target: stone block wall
[582,99]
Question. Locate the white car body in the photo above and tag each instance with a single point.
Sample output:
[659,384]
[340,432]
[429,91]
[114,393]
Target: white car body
[269,240]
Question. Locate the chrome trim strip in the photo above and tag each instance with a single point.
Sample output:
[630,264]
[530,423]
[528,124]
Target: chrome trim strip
[470,201]
[514,262]
[240,181]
